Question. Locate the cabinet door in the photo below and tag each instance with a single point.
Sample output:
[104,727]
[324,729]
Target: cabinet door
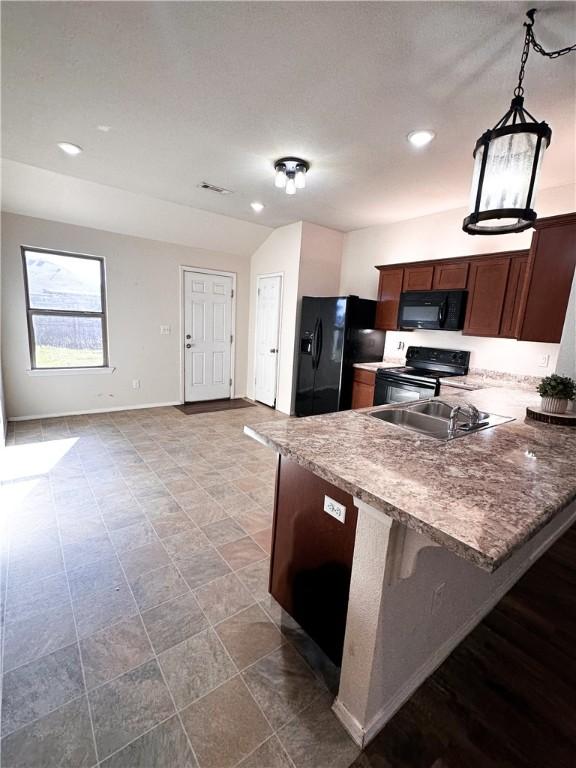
[363,388]
[514,288]
[486,290]
[451,276]
[418,278]
[549,280]
[389,290]
[312,554]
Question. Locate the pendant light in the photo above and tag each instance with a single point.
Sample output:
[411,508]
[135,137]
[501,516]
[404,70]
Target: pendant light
[507,160]
[290,174]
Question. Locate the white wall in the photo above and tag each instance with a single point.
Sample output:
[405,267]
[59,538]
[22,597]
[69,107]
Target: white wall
[279,253]
[54,196]
[437,237]
[309,257]
[143,287]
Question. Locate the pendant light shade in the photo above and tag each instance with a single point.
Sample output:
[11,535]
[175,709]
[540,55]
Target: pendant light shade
[507,162]
[508,158]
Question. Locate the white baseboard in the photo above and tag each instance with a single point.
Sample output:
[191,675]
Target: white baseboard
[138,407]
[364,735]
[349,722]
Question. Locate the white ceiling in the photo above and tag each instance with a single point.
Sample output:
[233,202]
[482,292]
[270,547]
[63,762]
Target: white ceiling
[208,91]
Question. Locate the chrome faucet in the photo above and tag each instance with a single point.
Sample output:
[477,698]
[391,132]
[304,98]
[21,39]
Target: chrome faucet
[473,416]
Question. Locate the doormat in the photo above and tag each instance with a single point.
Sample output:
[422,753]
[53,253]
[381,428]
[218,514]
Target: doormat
[208,406]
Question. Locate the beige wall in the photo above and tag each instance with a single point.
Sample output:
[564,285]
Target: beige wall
[43,194]
[280,253]
[143,287]
[320,261]
[309,258]
[436,237]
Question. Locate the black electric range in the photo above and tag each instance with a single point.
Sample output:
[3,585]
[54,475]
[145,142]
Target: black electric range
[420,378]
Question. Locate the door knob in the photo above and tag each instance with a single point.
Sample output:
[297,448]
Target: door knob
[273,351]
[188,336]
[188,346]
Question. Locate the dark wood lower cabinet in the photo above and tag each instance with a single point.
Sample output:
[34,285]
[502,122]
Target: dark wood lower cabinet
[363,388]
[312,555]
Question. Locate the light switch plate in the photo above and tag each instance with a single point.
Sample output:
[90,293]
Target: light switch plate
[335,509]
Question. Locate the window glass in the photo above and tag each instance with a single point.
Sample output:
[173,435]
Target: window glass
[64,341]
[63,282]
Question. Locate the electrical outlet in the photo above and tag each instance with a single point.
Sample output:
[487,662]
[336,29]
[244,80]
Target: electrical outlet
[544,361]
[335,509]
[437,598]
[135,383]
[165,330]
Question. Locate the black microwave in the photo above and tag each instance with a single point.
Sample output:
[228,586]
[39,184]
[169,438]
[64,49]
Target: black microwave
[432,310]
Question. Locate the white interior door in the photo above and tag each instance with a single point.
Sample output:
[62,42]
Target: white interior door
[207,336]
[269,301]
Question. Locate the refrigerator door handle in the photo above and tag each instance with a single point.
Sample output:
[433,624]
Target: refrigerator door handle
[315,344]
[319,343]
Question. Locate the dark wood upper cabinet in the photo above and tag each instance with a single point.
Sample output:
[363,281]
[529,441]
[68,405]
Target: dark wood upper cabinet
[514,288]
[451,276]
[487,283]
[514,294]
[550,272]
[389,290]
[418,278]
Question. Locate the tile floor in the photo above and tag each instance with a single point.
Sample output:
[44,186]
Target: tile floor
[137,630]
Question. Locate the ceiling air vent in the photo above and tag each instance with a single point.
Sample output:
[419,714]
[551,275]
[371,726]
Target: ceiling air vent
[214,188]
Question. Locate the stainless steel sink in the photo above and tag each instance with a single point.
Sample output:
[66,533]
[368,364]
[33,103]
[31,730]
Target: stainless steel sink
[417,422]
[441,410]
[432,419]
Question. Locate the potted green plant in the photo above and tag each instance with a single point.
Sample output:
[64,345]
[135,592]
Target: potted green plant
[555,392]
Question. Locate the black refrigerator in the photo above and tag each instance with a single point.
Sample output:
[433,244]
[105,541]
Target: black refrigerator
[335,333]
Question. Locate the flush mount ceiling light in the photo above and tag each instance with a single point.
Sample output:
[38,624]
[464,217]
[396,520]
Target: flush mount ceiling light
[257,207]
[507,160]
[290,174]
[421,137]
[70,149]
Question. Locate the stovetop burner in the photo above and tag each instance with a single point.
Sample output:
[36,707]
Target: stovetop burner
[409,370]
[431,363]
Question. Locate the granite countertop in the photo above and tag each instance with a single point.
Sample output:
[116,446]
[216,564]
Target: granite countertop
[481,496]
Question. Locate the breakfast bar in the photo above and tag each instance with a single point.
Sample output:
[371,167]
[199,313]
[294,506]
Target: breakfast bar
[443,529]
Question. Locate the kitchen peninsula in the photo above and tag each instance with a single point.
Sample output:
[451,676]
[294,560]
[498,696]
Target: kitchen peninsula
[435,534]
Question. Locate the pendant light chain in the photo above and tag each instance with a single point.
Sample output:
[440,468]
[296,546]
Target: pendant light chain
[530,41]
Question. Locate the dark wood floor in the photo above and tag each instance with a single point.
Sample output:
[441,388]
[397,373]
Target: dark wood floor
[506,697]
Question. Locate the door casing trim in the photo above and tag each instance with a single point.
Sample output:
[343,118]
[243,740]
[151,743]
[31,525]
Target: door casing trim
[258,278]
[223,273]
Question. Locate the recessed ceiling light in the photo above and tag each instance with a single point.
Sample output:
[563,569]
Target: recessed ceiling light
[104,128]
[420,137]
[69,149]
[256,207]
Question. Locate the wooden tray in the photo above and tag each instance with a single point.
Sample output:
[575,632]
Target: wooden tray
[567,419]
